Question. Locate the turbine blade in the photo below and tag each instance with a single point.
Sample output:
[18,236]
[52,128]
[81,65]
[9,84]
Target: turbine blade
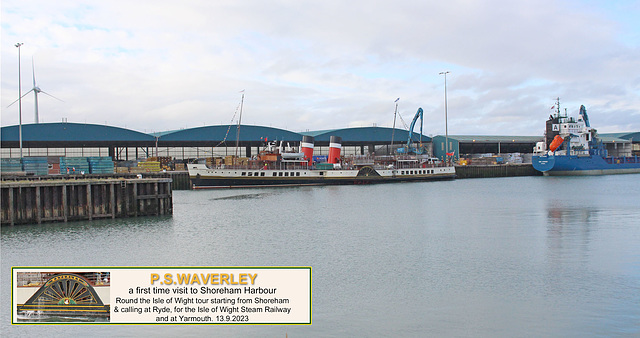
[25,94]
[33,69]
[43,92]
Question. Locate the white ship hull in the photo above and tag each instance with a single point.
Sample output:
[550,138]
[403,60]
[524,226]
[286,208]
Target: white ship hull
[204,177]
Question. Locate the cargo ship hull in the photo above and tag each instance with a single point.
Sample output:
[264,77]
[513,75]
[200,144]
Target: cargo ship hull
[551,165]
[204,177]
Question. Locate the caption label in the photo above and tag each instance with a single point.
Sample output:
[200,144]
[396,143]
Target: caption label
[231,295]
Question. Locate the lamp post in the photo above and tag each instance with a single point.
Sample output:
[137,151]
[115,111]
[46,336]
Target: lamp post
[446,123]
[19,102]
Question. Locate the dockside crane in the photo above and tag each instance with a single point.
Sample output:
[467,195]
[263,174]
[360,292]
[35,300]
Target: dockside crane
[408,148]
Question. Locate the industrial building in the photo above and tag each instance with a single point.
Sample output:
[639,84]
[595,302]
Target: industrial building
[80,139]
[77,139]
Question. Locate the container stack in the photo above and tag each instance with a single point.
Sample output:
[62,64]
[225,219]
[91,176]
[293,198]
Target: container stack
[76,165]
[100,165]
[10,165]
[36,165]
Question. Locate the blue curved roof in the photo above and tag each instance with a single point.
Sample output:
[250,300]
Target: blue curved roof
[82,132]
[367,134]
[71,132]
[228,133]
[627,136]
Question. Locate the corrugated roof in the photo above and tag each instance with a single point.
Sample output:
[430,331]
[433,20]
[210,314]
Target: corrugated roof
[626,136]
[81,132]
[228,133]
[495,138]
[608,138]
[71,132]
[366,134]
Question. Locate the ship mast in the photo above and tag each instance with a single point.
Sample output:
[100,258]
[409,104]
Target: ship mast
[238,128]
[393,131]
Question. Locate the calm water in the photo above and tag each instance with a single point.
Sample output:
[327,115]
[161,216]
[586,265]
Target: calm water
[524,256]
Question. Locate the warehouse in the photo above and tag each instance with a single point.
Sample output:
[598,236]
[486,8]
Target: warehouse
[80,139]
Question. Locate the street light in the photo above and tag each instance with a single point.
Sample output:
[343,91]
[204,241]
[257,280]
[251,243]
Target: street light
[446,123]
[19,102]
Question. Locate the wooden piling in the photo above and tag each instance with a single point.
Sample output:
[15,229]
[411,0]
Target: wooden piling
[35,202]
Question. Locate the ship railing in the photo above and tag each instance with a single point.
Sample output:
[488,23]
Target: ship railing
[361,160]
[622,159]
[293,165]
[581,152]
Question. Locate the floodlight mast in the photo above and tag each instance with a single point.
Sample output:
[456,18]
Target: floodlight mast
[19,102]
[446,123]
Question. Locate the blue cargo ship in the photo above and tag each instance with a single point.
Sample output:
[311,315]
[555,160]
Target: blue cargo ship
[575,149]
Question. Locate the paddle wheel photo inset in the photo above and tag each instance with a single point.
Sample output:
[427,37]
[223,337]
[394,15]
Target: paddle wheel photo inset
[60,297]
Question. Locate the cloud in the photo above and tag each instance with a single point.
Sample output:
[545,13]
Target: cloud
[330,64]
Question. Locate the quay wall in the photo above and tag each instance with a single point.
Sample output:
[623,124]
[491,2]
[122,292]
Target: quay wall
[63,200]
[497,170]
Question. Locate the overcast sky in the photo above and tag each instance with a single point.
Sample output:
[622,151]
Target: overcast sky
[313,65]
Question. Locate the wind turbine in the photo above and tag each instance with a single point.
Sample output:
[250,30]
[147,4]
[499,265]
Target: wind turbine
[36,90]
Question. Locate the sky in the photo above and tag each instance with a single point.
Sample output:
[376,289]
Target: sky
[158,65]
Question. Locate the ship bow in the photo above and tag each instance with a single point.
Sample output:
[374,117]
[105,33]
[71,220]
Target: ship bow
[543,163]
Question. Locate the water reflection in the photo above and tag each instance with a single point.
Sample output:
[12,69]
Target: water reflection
[569,232]
[560,217]
[243,196]
[485,257]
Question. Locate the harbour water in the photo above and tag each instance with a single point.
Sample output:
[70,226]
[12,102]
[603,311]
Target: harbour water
[500,257]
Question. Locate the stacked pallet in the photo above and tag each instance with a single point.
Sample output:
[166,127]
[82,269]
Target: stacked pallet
[138,170]
[10,165]
[35,165]
[164,160]
[74,165]
[150,165]
[100,165]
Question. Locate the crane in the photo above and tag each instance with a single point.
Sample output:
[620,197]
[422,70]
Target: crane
[585,117]
[408,149]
